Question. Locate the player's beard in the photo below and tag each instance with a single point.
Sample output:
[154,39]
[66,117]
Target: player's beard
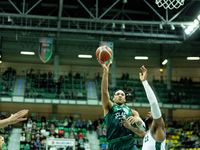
[148,122]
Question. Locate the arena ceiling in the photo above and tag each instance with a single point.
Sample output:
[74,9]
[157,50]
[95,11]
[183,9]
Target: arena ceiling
[138,27]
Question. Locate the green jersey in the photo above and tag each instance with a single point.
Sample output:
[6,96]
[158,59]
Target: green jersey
[115,128]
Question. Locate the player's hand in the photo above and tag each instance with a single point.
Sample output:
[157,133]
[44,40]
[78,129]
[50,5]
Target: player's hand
[17,117]
[133,120]
[127,124]
[143,75]
[104,65]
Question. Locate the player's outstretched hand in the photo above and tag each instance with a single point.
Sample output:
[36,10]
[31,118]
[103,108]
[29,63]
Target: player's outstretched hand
[143,75]
[17,117]
[104,65]
[127,124]
[133,120]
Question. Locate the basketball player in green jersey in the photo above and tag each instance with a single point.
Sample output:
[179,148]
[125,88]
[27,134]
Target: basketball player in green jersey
[154,138]
[118,137]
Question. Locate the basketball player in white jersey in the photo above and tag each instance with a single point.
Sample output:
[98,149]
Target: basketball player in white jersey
[154,138]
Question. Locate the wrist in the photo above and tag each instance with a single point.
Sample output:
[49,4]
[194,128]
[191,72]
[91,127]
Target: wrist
[7,121]
[144,82]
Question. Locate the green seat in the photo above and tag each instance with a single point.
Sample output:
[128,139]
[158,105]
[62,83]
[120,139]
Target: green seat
[75,129]
[84,134]
[61,128]
[3,83]
[39,124]
[83,130]
[66,129]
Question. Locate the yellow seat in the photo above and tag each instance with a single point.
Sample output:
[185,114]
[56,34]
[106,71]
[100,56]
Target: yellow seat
[173,137]
[177,137]
[175,141]
[171,149]
[178,133]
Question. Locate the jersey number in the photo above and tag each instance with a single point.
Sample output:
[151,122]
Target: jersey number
[146,139]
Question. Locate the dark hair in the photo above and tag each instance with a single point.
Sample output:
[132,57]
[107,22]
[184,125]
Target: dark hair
[163,115]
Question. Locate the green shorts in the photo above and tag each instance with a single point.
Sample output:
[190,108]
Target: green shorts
[123,145]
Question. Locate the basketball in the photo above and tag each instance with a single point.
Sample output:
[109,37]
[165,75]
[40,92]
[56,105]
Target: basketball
[104,53]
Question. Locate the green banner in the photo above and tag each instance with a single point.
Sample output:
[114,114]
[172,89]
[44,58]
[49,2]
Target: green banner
[45,48]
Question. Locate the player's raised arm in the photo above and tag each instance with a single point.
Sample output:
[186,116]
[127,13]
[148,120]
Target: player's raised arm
[158,123]
[105,97]
[14,118]
[137,120]
[127,124]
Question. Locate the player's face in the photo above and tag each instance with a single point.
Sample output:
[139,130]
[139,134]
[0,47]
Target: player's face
[119,98]
[2,143]
[149,115]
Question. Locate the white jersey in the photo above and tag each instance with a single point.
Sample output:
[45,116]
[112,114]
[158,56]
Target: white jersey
[149,143]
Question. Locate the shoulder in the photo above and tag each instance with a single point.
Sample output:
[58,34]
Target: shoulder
[135,113]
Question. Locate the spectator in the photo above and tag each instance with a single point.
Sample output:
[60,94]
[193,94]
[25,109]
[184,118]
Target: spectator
[61,79]
[123,76]
[27,147]
[62,95]
[132,94]
[127,76]
[86,145]
[58,86]
[79,94]
[37,75]
[169,145]
[104,146]
[37,144]
[84,123]
[80,140]
[35,94]
[6,87]
[42,145]
[190,81]
[32,145]
[70,95]
[80,135]
[125,87]
[22,139]
[98,76]
[89,126]
[79,124]
[21,147]
[70,74]
[31,93]
[77,76]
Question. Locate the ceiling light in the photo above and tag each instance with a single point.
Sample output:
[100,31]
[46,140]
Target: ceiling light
[164,62]
[196,21]
[187,31]
[190,28]
[123,26]
[9,19]
[161,26]
[198,17]
[183,26]
[113,25]
[84,56]
[124,1]
[193,58]
[27,53]
[141,57]
[172,27]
